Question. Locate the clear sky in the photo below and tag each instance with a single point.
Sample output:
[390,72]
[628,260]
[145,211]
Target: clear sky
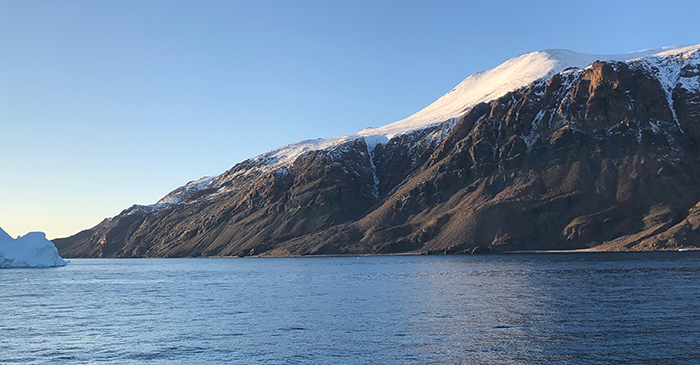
[104,104]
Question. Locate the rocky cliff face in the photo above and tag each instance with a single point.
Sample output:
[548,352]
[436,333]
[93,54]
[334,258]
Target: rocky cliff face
[604,157]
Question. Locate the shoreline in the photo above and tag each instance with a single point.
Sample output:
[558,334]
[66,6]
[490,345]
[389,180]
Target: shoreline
[517,252]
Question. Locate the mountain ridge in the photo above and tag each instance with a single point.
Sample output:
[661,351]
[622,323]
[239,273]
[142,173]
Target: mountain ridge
[547,63]
[373,160]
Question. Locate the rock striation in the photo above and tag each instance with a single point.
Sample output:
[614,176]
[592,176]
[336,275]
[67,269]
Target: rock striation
[600,157]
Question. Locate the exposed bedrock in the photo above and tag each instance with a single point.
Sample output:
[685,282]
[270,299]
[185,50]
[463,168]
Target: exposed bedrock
[603,158]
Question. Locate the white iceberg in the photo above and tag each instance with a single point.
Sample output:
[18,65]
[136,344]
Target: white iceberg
[30,250]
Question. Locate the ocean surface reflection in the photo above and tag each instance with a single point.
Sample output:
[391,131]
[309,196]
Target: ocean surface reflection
[636,308]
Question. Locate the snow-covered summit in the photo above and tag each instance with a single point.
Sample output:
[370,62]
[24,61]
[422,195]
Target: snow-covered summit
[477,88]
[30,250]
[492,84]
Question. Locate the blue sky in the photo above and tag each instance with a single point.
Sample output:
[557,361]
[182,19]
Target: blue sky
[104,104]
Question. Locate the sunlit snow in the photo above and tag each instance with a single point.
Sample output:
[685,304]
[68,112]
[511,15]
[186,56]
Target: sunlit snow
[477,88]
[665,63]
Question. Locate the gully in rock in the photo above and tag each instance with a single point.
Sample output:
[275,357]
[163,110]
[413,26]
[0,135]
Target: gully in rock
[552,150]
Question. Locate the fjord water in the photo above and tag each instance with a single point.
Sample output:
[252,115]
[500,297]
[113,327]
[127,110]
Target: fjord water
[636,308]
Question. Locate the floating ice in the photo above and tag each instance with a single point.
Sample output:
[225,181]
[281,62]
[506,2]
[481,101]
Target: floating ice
[30,250]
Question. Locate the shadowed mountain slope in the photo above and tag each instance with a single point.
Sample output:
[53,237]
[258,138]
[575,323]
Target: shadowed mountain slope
[602,157]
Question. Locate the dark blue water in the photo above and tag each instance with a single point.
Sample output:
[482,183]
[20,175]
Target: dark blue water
[507,309]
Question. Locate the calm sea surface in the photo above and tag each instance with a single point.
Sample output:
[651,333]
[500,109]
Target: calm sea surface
[639,308]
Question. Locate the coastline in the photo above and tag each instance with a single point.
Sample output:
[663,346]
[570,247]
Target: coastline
[491,253]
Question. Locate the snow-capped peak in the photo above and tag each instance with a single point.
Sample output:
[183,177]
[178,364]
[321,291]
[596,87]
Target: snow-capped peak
[492,84]
[477,88]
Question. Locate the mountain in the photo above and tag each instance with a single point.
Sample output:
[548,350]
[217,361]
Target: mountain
[550,150]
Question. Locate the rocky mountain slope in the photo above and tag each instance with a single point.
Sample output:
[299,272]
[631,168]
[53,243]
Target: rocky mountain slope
[550,150]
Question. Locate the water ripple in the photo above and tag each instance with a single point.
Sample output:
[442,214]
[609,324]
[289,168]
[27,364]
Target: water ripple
[502,309]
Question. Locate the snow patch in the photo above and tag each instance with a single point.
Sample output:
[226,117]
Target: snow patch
[373,168]
[373,141]
[183,192]
[287,154]
[639,131]
[658,128]
[667,66]
[533,136]
[30,250]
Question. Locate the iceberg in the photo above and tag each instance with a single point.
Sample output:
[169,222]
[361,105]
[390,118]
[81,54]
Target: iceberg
[30,250]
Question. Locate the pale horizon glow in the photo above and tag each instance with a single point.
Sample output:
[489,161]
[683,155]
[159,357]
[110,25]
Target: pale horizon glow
[108,104]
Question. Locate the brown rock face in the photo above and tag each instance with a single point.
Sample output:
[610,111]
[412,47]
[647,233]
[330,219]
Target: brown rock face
[597,158]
